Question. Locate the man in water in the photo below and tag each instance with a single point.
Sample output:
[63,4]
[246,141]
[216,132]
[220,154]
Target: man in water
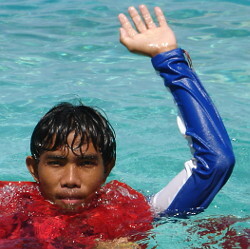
[73,147]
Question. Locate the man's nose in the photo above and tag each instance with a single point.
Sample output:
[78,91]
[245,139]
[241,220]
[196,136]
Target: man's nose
[70,177]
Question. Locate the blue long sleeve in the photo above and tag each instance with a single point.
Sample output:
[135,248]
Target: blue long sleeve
[213,155]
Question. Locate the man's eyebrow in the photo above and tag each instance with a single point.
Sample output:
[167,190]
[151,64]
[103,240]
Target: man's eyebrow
[88,157]
[55,157]
[91,156]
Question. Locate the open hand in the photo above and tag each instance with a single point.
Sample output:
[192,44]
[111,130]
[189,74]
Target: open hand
[148,38]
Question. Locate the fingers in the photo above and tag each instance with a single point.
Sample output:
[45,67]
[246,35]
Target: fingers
[147,17]
[126,25]
[139,24]
[160,17]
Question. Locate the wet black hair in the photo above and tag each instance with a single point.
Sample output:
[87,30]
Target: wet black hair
[86,122]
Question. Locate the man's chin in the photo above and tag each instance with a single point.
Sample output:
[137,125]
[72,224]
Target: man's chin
[71,204]
[70,207]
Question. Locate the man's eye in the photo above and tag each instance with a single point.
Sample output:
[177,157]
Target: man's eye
[88,163]
[55,163]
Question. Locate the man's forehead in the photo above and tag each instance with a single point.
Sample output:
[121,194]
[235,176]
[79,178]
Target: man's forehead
[77,138]
[73,140]
[78,144]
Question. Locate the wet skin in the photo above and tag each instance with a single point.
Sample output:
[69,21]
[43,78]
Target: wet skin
[69,179]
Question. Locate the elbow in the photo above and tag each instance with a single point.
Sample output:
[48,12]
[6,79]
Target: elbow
[218,164]
[224,163]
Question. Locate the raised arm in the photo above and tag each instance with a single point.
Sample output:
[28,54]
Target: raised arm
[192,190]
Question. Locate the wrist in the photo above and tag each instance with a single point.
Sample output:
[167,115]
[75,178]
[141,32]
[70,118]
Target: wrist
[163,50]
[160,61]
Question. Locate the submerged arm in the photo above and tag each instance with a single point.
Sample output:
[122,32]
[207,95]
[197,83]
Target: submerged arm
[193,188]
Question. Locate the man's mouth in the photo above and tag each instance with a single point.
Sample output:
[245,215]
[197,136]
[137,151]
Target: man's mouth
[70,200]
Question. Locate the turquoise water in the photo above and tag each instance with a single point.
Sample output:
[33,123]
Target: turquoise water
[53,51]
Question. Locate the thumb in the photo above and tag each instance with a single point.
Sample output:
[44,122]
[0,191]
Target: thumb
[124,37]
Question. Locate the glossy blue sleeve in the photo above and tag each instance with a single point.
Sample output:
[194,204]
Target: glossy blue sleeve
[213,159]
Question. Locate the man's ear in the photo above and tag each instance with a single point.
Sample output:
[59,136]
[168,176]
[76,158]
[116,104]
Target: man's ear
[32,165]
[109,167]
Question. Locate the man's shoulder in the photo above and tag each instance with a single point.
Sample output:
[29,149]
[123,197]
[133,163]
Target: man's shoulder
[121,189]
[15,196]
[119,193]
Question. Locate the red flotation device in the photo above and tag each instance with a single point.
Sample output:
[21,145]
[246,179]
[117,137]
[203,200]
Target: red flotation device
[26,218]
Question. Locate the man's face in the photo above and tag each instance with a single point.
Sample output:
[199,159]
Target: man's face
[69,179]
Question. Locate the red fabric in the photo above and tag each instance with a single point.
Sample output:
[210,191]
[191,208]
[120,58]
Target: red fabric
[222,232]
[25,217]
